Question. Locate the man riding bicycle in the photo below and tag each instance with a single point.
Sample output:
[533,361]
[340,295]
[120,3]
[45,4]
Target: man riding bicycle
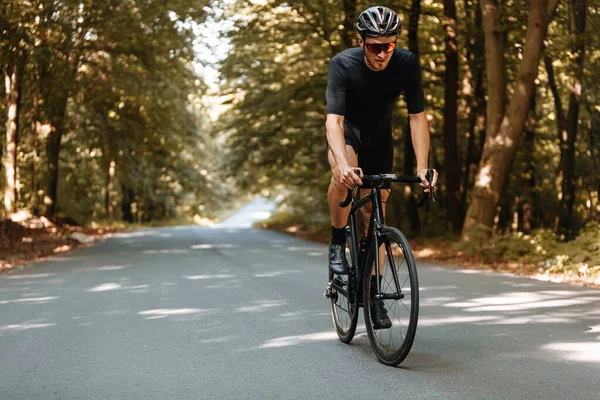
[363,86]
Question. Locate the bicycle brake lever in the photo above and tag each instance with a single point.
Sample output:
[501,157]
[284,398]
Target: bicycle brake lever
[429,176]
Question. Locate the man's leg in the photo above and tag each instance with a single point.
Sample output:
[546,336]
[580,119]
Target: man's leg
[339,216]
[367,210]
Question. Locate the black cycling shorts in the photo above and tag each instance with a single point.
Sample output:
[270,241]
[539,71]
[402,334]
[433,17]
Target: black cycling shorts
[375,153]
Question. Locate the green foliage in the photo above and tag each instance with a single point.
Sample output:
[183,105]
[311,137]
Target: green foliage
[580,257]
[135,131]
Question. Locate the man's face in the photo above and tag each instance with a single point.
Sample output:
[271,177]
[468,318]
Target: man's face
[378,51]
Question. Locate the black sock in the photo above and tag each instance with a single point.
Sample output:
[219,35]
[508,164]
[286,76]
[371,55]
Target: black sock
[338,235]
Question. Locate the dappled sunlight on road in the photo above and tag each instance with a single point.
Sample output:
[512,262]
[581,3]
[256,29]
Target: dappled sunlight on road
[260,306]
[207,246]
[104,268]
[154,233]
[164,313]
[547,324]
[516,301]
[217,340]
[303,315]
[32,300]
[209,276]
[594,329]
[29,276]
[105,287]
[300,339]
[582,351]
[166,251]
[24,326]
[306,249]
[272,274]
[429,321]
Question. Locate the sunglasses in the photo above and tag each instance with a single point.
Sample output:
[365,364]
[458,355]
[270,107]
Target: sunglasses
[377,48]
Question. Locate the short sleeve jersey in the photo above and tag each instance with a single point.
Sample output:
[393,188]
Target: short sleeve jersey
[366,97]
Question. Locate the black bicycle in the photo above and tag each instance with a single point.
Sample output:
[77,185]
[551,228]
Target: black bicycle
[396,282]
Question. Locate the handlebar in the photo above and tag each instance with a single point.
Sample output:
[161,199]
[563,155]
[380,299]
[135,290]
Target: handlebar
[387,178]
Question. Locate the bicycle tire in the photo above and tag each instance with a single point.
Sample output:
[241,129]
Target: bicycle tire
[393,351]
[344,311]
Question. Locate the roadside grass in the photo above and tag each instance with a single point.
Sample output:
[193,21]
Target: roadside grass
[540,255]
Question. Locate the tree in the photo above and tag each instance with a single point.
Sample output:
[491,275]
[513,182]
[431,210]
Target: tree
[503,130]
[571,122]
[112,92]
[452,171]
[14,20]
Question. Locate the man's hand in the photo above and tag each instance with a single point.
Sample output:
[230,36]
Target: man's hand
[424,182]
[347,176]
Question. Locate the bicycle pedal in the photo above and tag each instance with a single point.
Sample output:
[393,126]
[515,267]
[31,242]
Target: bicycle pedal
[329,292]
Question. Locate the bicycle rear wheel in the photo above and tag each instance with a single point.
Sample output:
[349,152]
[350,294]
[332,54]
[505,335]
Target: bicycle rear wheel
[399,290]
[344,302]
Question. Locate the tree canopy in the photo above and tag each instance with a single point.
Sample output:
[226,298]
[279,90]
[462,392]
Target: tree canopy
[106,115]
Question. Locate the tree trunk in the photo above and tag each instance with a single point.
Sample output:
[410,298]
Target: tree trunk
[593,136]
[566,225]
[412,212]
[349,31]
[52,154]
[561,120]
[35,132]
[12,78]
[451,167]
[494,65]
[413,47]
[504,212]
[527,205]
[472,156]
[502,139]
[127,197]
[110,184]
[475,96]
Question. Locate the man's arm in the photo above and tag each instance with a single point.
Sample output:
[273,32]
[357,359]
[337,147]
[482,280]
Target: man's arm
[335,137]
[337,82]
[419,127]
[334,127]
[419,131]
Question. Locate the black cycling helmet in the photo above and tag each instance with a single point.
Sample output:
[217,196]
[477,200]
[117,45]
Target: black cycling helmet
[378,21]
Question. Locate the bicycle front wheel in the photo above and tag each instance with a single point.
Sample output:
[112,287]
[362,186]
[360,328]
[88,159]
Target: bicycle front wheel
[399,291]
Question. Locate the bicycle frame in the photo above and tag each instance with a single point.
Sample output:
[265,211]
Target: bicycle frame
[376,222]
[366,278]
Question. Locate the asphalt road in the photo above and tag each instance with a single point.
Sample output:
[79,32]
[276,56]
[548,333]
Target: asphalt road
[235,313]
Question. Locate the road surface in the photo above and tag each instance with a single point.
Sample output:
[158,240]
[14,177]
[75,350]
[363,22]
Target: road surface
[235,313]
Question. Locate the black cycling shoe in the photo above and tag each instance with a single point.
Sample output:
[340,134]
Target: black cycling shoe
[337,259]
[379,315]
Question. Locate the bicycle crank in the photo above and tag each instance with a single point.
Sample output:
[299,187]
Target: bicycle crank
[330,293]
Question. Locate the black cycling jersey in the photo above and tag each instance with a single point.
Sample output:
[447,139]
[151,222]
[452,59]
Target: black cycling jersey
[366,97]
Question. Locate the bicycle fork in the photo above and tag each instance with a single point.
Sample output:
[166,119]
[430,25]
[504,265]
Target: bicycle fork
[377,223]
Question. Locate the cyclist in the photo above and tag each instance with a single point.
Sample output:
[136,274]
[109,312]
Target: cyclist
[363,86]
